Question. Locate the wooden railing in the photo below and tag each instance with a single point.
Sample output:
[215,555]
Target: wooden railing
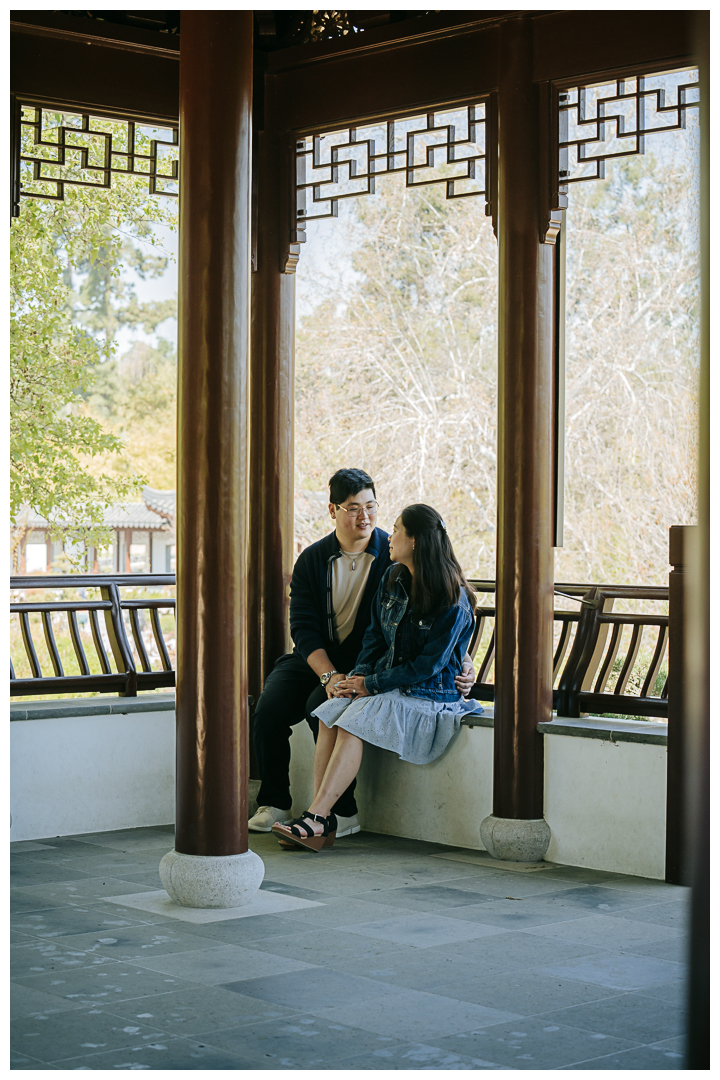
[588,643]
[133,668]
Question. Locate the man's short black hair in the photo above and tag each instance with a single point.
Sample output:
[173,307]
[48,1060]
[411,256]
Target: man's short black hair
[347,482]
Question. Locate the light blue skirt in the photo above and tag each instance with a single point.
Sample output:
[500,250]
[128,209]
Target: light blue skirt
[417,729]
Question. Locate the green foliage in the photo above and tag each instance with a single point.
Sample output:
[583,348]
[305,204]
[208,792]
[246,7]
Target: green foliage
[68,299]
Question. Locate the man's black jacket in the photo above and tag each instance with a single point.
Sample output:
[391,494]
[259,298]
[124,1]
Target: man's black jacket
[311,614]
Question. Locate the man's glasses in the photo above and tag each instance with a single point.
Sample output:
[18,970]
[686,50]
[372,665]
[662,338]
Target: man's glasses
[353,510]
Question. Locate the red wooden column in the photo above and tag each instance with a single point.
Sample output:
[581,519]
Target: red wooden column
[213,410]
[524,599]
[272,406]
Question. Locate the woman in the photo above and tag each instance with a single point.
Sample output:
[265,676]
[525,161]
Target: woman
[401,694]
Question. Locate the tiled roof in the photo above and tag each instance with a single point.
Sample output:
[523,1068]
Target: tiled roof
[162,502]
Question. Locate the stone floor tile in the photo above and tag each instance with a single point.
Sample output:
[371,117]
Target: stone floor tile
[21,903]
[517,949]
[522,992]
[166,1054]
[302,1042]
[26,1001]
[432,897]
[59,850]
[514,913]
[648,1058]
[422,930]
[674,948]
[326,948]
[339,911]
[636,1017]
[201,1010]
[27,871]
[245,931]
[498,884]
[41,955]
[76,1034]
[413,1015]
[414,971]
[98,986]
[606,931]
[598,899]
[16,938]
[67,921]
[674,913]
[137,942]
[291,890]
[117,866]
[416,1056]
[22,1062]
[220,964]
[79,893]
[319,986]
[675,992]
[618,972]
[532,1043]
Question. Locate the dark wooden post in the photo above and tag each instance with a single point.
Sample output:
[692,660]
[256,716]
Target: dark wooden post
[214,330]
[676,863]
[272,409]
[523,665]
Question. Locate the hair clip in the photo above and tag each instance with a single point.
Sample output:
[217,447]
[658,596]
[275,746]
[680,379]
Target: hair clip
[443,524]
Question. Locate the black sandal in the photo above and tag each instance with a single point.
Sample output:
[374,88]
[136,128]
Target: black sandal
[290,835]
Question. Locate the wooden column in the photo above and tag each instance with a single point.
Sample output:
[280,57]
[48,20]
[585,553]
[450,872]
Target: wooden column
[523,664]
[272,410]
[214,325]
[676,862]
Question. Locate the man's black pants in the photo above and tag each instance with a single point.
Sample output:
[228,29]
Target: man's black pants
[292,690]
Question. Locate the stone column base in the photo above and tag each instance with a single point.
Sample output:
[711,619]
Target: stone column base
[211,881]
[515,839]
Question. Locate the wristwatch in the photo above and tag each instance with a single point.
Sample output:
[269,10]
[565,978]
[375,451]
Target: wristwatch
[326,677]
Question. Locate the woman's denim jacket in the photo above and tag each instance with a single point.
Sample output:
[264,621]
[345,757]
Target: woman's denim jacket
[440,641]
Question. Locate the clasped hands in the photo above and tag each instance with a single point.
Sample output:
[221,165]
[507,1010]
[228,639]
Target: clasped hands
[350,686]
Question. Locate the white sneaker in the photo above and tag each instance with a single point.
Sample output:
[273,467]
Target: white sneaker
[346,826]
[266,816]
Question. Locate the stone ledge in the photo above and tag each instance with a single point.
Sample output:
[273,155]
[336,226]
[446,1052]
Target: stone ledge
[653,732]
[65,707]
[596,727]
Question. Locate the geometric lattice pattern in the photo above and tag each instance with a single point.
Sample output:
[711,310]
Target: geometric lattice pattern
[61,146]
[612,119]
[444,146]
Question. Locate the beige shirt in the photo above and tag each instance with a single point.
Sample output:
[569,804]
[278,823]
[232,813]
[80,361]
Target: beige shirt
[348,586]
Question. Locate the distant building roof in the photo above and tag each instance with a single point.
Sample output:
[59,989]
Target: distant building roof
[162,502]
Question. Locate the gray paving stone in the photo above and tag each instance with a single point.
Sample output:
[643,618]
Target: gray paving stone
[78,893]
[318,986]
[45,956]
[138,942]
[106,983]
[22,1061]
[26,1001]
[416,1056]
[201,1010]
[606,931]
[413,1015]
[674,913]
[432,897]
[77,1033]
[533,1043]
[166,1054]
[632,1016]
[598,898]
[291,890]
[67,921]
[221,964]
[32,872]
[623,972]
[674,948]
[302,1042]
[519,949]
[649,1058]
[339,911]
[514,913]
[422,930]
[20,902]
[245,931]
[330,947]
[522,992]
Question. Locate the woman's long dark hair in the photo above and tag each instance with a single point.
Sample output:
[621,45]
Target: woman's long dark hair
[437,577]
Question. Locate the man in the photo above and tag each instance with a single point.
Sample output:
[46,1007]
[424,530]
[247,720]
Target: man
[333,584]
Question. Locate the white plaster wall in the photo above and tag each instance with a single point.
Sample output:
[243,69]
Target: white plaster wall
[86,774]
[443,802]
[605,804]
